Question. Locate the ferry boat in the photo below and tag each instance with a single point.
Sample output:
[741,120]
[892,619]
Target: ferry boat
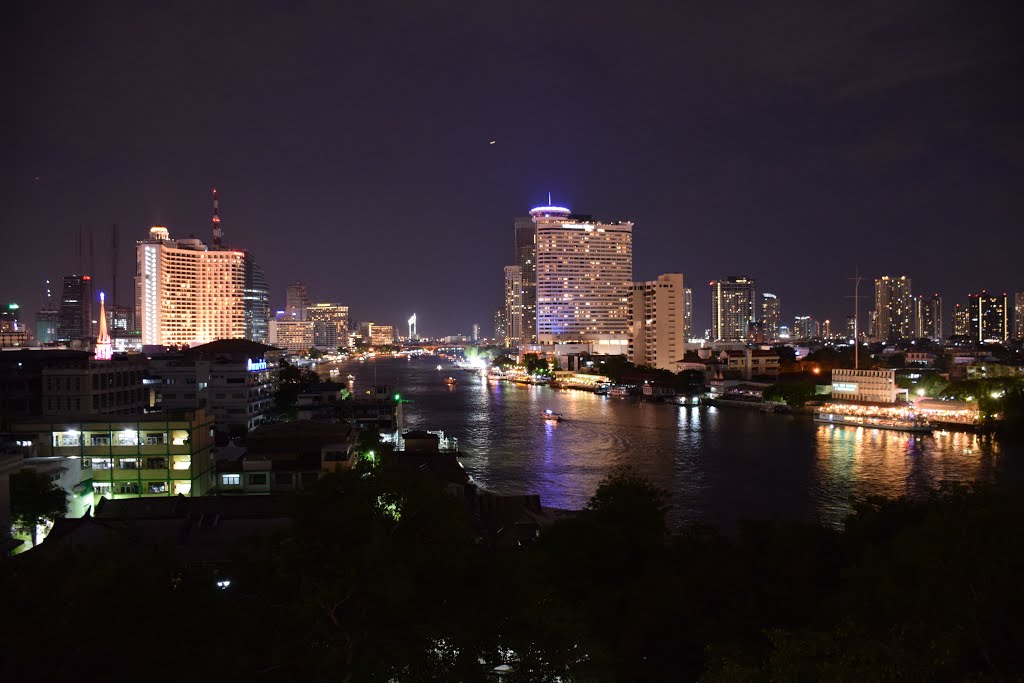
[621,392]
[911,423]
[450,381]
[551,416]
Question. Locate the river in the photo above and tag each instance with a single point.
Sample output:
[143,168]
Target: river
[719,465]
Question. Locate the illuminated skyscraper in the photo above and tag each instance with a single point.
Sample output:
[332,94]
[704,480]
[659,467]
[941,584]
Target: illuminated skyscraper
[687,313]
[513,306]
[804,328]
[526,259]
[732,308]
[894,305]
[928,317]
[771,316]
[296,301]
[961,321]
[1018,316]
[187,293]
[988,316]
[257,302]
[584,273]
[657,326]
[75,309]
[330,325]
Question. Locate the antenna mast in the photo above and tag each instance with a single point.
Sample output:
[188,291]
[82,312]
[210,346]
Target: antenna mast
[217,233]
[113,245]
[856,320]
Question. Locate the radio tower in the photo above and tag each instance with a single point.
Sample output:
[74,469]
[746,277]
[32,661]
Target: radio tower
[217,233]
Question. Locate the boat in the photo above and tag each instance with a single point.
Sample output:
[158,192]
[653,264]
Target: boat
[602,389]
[621,392]
[551,416]
[450,381]
[351,377]
[438,368]
[911,423]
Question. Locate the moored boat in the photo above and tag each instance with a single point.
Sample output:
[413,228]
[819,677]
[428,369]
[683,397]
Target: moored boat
[910,423]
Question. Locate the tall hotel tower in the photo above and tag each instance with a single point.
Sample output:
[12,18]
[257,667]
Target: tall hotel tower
[733,308]
[584,278]
[187,293]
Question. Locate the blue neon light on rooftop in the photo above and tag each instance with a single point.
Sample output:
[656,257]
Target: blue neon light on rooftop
[550,209]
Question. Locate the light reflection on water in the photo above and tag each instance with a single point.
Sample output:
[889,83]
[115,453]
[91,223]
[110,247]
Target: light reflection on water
[719,466]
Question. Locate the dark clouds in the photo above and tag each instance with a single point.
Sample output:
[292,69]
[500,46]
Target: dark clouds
[792,142]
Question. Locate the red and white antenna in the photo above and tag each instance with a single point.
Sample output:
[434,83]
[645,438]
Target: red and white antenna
[218,234]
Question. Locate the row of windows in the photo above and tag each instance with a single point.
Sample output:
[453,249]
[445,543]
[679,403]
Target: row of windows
[129,487]
[157,463]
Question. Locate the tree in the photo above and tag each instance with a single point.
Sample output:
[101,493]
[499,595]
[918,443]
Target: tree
[35,500]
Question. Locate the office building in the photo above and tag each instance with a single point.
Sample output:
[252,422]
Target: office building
[584,273]
[732,308]
[382,335]
[513,306]
[826,329]
[771,316]
[292,335]
[330,326]
[500,325]
[256,295]
[657,327]
[47,324]
[961,321]
[1018,316]
[476,332]
[75,321]
[296,301]
[851,328]
[688,313]
[186,293]
[526,260]
[14,332]
[928,317]
[988,315]
[894,307]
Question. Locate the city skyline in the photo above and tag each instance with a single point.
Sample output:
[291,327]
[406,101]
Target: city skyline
[877,149]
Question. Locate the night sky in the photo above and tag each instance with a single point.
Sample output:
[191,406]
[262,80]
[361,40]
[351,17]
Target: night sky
[791,143]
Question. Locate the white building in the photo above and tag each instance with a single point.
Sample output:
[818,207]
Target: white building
[187,293]
[658,324]
[877,386]
[584,274]
[292,336]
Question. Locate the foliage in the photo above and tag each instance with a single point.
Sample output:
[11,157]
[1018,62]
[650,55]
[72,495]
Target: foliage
[35,500]
[293,380]
[535,365]
[381,579]
[502,362]
[792,394]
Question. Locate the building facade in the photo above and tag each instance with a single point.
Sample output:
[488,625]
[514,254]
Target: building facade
[771,316]
[688,313]
[296,301]
[877,386]
[732,308]
[584,273]
[513,306]
[894,308]
[928,317]
[257,302]
[1018,316]
[988,317]
[961,321]
[657,327]
[133,456]
[526,260]
[75,316]
[186,293]
[330,326]
[292,336]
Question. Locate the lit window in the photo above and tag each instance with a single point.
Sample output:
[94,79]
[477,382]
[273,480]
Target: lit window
[231,479]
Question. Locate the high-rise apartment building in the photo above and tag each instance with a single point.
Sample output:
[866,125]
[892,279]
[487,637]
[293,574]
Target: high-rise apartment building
[187,293]
[804,328]
[851,328]
[961,321]
[257,302]
[330,325]
[526,259]
[688,313]
[733,306]
[657,325]
[500,324]
[894,306]
[771,316]
[296,301]
[75,319]
[291,336]
[1018,316]
[513,306]
[584,273]
[928,317]
[988,316]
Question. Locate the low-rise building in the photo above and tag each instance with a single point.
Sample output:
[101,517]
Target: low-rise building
[156,455]
[751,362]
[878,386]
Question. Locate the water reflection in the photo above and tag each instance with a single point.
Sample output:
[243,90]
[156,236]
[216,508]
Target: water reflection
[854,463]
[719,466]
